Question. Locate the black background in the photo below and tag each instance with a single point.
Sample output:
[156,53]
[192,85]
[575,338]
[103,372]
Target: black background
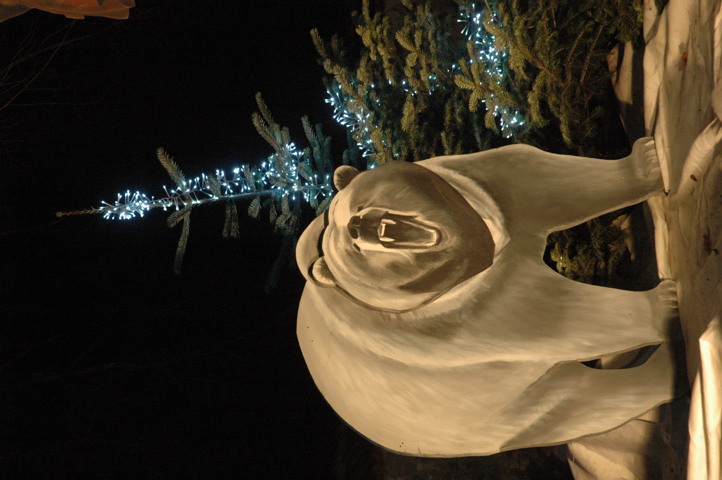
[111,366]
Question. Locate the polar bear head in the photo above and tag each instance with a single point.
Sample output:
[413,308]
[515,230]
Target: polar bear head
[394,238]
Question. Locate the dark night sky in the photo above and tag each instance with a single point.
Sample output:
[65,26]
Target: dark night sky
[178,74]
[110,366]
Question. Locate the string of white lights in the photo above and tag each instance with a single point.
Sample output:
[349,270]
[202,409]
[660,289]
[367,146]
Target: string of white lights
[493,60]
[279,176]
[354,117]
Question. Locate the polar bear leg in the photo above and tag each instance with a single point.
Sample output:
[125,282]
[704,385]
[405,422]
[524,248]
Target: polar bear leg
[538,191]
[542,314]
[599,399]
[587,321]
[593,187]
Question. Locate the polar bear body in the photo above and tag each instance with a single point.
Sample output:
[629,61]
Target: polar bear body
[491,362]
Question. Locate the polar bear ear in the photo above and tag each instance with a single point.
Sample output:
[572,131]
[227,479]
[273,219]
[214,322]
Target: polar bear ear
[321,275]
[343,175]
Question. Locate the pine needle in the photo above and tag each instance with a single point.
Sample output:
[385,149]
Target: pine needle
[250,181]
[214,185]
[231,229]
[179,215]
[182,244]
[272,213]
[254,208]
[171,167]
[323,205]
[264,130]
[318,43]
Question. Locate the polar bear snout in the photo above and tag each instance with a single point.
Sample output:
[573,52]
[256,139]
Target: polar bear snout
[380,229]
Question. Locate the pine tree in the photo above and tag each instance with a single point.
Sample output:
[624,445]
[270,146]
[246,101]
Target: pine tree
[557,71]
[428,78]
[288,179]
[443,77]
[399,98]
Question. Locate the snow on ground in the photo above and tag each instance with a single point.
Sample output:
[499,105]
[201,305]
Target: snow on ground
[681,106]
[681,66]
[682,109]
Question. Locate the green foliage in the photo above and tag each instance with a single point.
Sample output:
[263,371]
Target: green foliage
[435,78]
[444,77]
[183,214]
[422,85]
[281,185]
[558,74]
[589,253]
[399,99]
[557,71]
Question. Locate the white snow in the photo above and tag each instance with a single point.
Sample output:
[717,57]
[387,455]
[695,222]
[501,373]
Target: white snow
[681,108]
[682,105]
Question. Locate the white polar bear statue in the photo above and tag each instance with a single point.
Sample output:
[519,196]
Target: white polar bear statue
[432,326]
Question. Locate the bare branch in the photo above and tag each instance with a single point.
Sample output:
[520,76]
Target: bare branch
[37,73]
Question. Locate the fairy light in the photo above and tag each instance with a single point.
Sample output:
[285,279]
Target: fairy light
[354,120]
[355,117]
[127,206]
[494,62]
[279,176]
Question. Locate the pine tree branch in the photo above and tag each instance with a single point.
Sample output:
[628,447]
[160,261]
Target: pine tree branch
[583,75]
[171,167]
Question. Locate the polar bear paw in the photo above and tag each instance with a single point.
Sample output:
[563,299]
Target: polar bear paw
[667,291]
[644,156]
[664,305]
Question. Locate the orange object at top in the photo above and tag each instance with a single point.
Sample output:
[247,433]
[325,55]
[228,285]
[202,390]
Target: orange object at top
[116,9]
